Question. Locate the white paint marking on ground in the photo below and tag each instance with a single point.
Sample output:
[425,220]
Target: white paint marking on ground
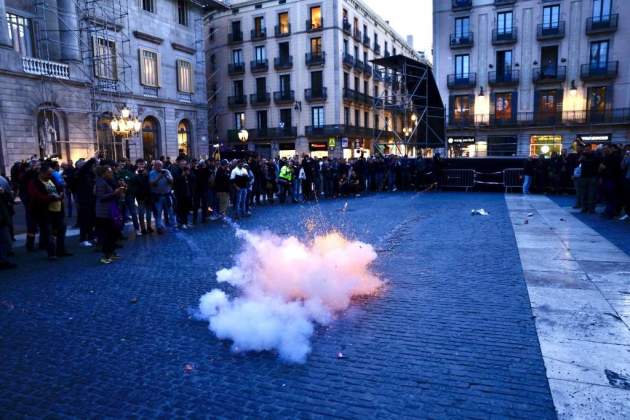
[579,289]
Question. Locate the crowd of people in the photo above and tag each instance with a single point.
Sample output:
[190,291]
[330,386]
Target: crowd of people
[600,174]
[155,196]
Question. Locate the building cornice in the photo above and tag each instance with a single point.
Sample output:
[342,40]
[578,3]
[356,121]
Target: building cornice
[183,48]
[148,37]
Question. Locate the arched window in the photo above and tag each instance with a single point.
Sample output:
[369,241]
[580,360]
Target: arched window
[150,138]
[112,146]
[183,138]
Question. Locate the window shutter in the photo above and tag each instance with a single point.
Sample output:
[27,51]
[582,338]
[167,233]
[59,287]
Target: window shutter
[559,101]
[178,74]
[158,66]
[141,66]
[514,106]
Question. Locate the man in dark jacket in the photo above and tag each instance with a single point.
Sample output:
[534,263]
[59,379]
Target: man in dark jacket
[183,186]
[201,175]
[222,187]
[85,179]
[6,214]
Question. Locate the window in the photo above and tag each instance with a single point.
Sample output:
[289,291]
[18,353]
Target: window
[261,87]
[261,120]
[599,55]
[316,17]
[346,47]
[601,10]
[316,46]
[237,56]
[366,119]
[377,122]
[503,106]
[502,146]
[182,12]
[286,118]
[283,23]
[504,65]
[504,23]
[462,27]
[148,6]
[283,51]
[357,118]
[259,26]
[20,34]
[105,59]
[366,88]
[597,100]
[239,120]
[238,88]
[346,116]
[182,138]
[317,83]
[149,68]
[184,76]
[462,108]
[317,115]
[260,54]
[462,66]
[285,84]
[551,17]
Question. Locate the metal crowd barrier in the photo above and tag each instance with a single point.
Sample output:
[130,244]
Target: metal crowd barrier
[458,178]
[512,178]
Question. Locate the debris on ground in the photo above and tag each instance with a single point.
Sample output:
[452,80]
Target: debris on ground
[562,219]
[530,214]
[479,212]
[133,300]
[188,368]
[345,207]
[526,222]
[340,355]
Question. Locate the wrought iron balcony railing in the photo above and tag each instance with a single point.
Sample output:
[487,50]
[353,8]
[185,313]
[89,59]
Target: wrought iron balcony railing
[260,98]
[236,68]
[545,31]
[549,74]
[258,66]
[284,96]
[315,59]
[283,63]
[465,40]
[504,36]
[504,78]
[235,37]
[602,24]
[259,34]
[461,81]
[316,95]
[600,71]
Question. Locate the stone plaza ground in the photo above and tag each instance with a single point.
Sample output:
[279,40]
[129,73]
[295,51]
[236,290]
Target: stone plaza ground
[482,317]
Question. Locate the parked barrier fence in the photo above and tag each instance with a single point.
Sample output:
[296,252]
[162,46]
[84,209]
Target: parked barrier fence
[510,179]
[458,178]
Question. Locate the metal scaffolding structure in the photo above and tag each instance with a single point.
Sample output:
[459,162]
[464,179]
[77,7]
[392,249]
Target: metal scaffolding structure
[415,103]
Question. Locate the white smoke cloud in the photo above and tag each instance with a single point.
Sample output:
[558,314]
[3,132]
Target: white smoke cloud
[286,287]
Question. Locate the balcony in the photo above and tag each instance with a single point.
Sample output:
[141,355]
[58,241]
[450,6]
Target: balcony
[461,81]
[349,94]
[283,63]
[323,130]
[235,37]
[505,78]
[620,116]
[504,2]
[280,133]
[600,71]
[358,65]
[260,98]
[39,67]
[366,41]
[367,70]
[314,25]
[237,101]
[546,32]
[458,5]
[236,68]
[282,30]
[602,24]
[357,35]
[348,60]
[551,74]
[465,40]
[258,66]
[284,97]
[377,49]
[316,95]
[505,36]
[315,59]
[347,27]
[259,34]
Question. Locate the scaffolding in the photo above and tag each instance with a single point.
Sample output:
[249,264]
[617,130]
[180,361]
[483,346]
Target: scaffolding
[415,102]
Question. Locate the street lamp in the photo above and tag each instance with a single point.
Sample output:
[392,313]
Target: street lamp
[124,125]
[573,90]
[243,135]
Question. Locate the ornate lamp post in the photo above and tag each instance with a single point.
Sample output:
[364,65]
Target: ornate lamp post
[125,125]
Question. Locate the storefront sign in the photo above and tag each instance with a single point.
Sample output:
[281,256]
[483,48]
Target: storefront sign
[286,146]
[332,143]
[314,147]
[461,140]
[344,142]
[594,138]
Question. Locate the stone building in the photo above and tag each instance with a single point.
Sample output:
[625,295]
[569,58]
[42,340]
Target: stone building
[68,66]
[528,77]
[297,76]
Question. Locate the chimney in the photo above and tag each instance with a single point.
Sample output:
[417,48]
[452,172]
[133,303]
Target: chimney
[410,40]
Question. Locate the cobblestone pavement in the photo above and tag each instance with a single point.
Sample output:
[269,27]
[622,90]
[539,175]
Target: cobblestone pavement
[451,335]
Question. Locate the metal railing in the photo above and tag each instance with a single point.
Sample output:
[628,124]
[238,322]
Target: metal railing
[347,26]
[599,71]
[458,178]
[461,4]
[312,95]
[504,36]
[282,30]
[40,67]
[602,24]
[314,25]
[550,30]
[348,60]
[315,59]
[461,81]
[551,74]
[235,37]
[262,98]
[464,40]
[236,68]
[512,179]
[259,34]
[504,78]
[282,63]
[287,96]
[259,65]
[237,101]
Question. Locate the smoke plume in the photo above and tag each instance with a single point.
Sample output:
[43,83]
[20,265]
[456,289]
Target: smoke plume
[285,287]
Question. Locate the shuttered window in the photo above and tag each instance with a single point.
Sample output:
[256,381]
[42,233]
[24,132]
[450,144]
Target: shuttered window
[149,68]
[184,76]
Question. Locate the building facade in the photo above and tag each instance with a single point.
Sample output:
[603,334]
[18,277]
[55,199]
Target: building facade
[67,67]
[523,77]
[296,76]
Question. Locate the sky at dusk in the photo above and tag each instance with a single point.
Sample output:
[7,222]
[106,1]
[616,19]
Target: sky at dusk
[408,17]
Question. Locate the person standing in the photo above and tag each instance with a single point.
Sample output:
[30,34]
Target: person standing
[161,184]
[108,215]
[6,215]
[222,187]
[240,181]
[84,182]
[183,186]
[528,174]
[625,167]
